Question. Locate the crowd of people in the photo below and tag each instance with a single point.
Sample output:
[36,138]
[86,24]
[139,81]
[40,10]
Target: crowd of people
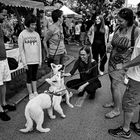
[123,62]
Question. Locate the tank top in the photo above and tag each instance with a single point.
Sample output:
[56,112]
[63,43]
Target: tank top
[121,52]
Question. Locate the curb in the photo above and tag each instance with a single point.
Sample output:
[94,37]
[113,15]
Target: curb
[23,93]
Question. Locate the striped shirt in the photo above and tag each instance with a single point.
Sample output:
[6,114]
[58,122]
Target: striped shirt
[121,52]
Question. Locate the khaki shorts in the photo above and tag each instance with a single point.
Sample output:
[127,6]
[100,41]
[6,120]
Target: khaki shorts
[131,98]
[5,74]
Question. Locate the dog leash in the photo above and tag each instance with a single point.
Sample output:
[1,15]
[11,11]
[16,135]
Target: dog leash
[91,78]
[130,49]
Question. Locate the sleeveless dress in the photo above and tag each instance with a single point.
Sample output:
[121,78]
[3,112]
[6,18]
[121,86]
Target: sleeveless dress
[121,53]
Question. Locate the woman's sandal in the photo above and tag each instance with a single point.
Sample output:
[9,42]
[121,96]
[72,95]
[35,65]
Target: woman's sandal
[108,105]
[112,114]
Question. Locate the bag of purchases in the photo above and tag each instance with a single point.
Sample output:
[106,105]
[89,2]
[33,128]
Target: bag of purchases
[12,62]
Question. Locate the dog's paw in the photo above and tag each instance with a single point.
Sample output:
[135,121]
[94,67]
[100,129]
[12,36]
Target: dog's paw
[25,130]
[43,130]
[53,117]
[63,116]
[71,106]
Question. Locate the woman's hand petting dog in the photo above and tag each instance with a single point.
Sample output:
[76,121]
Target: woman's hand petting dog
[66,74]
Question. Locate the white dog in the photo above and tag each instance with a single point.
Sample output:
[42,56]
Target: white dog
[34,108]
[59,69]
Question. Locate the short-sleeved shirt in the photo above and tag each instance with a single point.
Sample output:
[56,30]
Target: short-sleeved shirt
[134,72]
[56,39]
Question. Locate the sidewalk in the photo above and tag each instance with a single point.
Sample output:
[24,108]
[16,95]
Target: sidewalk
[23,93]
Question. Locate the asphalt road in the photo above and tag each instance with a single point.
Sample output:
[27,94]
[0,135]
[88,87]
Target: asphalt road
[85,121]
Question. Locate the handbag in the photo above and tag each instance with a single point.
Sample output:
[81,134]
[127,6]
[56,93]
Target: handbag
[12,62]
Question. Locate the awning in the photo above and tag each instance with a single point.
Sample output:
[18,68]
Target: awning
[49,8]
[23,3]
[68,12]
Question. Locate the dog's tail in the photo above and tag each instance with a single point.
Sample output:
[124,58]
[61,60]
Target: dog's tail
[29,123]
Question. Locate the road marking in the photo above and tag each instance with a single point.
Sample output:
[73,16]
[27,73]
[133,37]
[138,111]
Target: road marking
[80,100]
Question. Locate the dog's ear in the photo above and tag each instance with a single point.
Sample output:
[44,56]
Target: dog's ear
[53,65]
[48,80]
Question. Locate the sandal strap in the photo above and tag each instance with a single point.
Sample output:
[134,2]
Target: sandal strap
[112,114]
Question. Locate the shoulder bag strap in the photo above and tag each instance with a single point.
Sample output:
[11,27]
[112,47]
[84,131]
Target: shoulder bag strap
[132,36]
[57,46]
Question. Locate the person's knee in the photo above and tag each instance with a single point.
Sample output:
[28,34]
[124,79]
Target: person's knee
[115,84]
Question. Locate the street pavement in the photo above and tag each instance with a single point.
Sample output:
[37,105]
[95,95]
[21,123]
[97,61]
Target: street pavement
[85,121]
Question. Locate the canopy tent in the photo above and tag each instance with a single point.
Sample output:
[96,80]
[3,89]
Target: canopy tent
[67,12]
[23,3]
[49,8]
[133,2]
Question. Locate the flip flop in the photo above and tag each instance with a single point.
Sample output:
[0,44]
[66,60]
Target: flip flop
[108,105]
[112,114]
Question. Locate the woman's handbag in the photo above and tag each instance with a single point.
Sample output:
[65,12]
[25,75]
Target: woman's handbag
[12,62]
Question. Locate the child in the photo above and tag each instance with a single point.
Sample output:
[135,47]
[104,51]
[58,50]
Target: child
[30,51]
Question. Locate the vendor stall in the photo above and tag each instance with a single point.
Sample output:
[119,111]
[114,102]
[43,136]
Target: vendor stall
[68,12]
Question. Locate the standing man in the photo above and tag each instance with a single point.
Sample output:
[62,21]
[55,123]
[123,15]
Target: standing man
[54,35]
[4,76]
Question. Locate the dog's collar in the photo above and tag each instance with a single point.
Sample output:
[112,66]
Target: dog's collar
[55,94]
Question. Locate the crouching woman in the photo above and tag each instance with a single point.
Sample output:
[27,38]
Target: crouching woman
[88,71]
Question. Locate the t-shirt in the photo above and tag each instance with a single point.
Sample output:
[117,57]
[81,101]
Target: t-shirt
[56,40]
[30,47]
[134,72]
[2,46]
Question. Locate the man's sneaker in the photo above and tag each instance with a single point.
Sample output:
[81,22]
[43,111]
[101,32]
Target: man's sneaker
[120,133]
[4,116]
[9,107]
[134,128]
